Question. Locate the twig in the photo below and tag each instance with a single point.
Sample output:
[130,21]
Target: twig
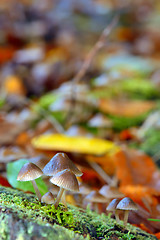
[52,120]
[101,172]
[87,62]
[49,118]
[99,44]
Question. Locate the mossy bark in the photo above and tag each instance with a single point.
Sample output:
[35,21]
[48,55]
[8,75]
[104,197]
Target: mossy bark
[22,217]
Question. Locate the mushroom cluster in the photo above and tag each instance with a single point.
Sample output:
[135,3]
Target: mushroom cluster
[125,205]
[62,172]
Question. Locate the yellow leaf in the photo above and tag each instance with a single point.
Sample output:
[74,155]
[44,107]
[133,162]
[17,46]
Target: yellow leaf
[78,144]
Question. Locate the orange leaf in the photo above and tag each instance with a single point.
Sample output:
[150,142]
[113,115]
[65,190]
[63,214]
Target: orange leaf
[14,85]
[107,161]
[6,53]
[125,108]
[157,235]
[136,168]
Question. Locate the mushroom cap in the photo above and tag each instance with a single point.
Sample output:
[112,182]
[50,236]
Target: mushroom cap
[59,163]
[110,192]
[54,189]
[95,196]
[84,188]
[29,172]
[48,198]
[39,161]
[127,204]
[67,180]
[113,204]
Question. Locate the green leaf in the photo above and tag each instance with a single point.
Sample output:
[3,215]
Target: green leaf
[13,169]
[48,99]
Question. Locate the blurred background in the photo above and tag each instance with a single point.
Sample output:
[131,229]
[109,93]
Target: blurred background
[43,45]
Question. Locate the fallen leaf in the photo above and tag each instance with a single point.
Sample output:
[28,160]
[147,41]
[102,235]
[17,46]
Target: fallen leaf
[125,108]
[8,131]
[6,53]
[14,85]
[8,154]
[136,168]
[4,182]
[78,144]
[107,162]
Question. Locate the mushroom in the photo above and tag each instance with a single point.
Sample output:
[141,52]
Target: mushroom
[54,190]
[110,192]
[112,207]
[95,197]
[66,180]
[39,161]
[29,172]
[58,163]
[84,189]
[126,204]
[48,198]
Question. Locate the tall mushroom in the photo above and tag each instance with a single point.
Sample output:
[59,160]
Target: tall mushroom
[66,180]
[110,192]
[30,172]
[58,163]
[126,204]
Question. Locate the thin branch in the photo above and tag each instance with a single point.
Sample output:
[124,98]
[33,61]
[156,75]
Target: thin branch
[87,62]
[48,117]
[99,44]
[101,172]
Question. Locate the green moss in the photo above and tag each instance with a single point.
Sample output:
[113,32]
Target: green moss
[71,223]
[150,144]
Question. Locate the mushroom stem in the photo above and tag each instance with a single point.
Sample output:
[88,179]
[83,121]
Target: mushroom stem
[96,207]
[64,199]
[59,197]
[117,215]
[126,213]
[36,190]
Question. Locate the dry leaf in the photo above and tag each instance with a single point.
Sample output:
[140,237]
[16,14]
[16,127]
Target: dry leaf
[14,85]
[6,53]
[8,132]
[8,154]
[78,144]
[136,168]
[107,162]
[125,108]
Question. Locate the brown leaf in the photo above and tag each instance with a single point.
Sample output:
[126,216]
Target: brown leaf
[8,154]
[136,168]
[125,108]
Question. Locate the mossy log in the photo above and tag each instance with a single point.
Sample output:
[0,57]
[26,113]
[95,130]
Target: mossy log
[23,217]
